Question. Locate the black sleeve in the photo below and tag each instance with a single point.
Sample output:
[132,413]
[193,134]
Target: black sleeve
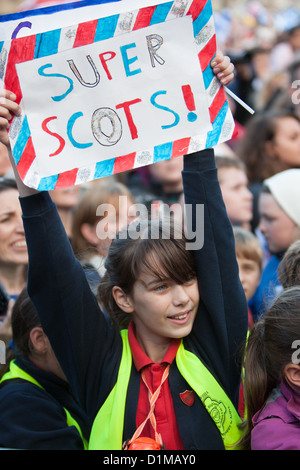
[82,338]
[31,420]
[221,323]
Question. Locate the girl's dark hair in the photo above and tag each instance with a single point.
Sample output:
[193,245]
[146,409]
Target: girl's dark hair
[24,319]
[269,349]
[252,147]
[159,249]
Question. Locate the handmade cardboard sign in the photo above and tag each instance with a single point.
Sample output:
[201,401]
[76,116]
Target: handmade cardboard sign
[114,97]
[115,93]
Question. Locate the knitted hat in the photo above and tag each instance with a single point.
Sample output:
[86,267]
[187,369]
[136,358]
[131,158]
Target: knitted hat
[285,188]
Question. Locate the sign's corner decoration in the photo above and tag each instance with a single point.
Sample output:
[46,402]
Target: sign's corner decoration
[121,89]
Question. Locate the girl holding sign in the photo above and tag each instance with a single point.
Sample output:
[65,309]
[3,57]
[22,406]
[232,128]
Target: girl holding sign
[167,370]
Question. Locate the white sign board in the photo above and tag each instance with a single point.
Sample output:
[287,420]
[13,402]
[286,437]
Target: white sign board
[114,97]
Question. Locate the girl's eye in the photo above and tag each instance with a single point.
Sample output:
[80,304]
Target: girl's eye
[160,287]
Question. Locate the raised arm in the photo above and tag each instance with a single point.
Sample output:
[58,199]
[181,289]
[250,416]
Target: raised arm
[80,335]
[8,107]
[82,339]
[221,323]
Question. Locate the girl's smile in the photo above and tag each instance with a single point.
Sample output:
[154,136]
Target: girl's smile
[180,318]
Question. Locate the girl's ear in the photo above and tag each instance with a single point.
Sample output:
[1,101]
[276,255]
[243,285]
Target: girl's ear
[39,340]
[292,373]
[122,300]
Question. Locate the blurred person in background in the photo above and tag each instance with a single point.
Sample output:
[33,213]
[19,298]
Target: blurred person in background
[287,50]
[234,186]
[66,199]
[271,144]
[101,203]
[5,166]
[280,224]
[13,248]
[38,410]
[13,253]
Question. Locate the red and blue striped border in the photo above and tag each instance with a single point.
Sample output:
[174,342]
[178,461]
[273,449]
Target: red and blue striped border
[47,43]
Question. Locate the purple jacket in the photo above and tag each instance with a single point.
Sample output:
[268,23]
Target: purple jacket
[277,425]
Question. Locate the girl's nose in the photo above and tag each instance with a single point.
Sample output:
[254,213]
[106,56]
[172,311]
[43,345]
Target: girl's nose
[180,296]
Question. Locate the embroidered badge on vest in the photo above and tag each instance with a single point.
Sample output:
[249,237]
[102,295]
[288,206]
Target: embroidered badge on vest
[188,397]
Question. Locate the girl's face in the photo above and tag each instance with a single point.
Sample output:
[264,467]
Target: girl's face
[286,143]
[279,230]
[162,309]
[13,248]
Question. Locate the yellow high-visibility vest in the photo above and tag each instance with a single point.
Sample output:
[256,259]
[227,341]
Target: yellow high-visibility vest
[15,372]
[107,429]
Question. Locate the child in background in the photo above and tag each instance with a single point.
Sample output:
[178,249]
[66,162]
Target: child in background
[234,186]
[270,145]
[38,410]
[102,211]
[272,377]
[249,257]
[279,210]
[66,199]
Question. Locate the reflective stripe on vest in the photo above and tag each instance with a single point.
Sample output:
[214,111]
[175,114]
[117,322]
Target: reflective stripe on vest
[107,430]
[15,372]
[212,395]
